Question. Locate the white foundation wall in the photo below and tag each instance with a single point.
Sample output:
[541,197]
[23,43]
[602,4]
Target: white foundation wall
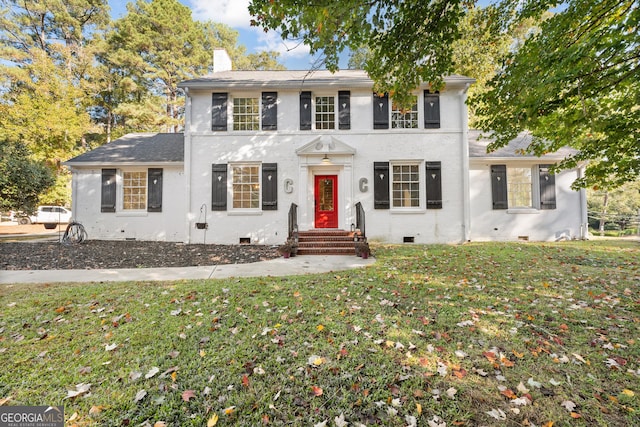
[567,221]
[167,225]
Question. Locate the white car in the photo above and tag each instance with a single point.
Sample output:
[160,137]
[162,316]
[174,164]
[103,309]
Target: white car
[51,215]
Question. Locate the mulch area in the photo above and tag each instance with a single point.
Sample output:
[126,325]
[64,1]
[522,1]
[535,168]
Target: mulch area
[101,254]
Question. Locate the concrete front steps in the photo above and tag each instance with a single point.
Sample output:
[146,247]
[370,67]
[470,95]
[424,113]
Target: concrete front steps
[326,242]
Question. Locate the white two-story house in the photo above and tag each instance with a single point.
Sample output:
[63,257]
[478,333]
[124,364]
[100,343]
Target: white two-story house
[262,150]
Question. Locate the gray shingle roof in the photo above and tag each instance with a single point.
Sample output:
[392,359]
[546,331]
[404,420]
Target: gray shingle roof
[515,148]
[226,80]
[136,148]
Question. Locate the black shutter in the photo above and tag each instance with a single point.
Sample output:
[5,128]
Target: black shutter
[381,185]
[381,111]
[154,201]
[344,109]
[499,186]
[434,185]
[547,188]
[305,110]
[219,187]
[269,186]
[269,111]
[431,110]
[108,197]
[219,111]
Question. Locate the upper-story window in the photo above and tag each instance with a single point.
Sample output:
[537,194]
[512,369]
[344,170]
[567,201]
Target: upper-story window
[402,118]
[396,118]
[325,112]
[325,116]
[244,113]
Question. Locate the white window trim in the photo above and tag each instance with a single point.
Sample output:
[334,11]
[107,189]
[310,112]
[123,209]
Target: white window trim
[243,211]
[535,191]
[420,118]
[230,103]
[336,107]
[120,210]
[421,187]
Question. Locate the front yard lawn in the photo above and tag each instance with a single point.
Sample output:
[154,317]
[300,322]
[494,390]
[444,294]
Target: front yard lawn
[514,334]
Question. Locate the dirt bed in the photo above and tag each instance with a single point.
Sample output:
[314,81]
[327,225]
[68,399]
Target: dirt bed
[95,254]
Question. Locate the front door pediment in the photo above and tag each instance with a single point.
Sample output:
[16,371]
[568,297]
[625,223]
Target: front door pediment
[325,144]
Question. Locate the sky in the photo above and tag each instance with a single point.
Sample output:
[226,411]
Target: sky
[235,14]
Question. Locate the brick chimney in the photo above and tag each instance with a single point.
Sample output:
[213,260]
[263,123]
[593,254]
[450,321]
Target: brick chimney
[221,60]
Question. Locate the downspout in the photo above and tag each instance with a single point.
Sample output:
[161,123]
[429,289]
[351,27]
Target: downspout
[466,200]
[187,164]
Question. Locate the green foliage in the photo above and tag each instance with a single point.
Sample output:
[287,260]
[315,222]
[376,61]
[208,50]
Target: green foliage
[618,209]
[409,42]
[428,335]
[22,179]
[575,83]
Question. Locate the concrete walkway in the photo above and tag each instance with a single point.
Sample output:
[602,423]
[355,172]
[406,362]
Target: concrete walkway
[305,264]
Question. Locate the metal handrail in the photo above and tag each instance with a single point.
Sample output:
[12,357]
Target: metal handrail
[293,221]
[360,220]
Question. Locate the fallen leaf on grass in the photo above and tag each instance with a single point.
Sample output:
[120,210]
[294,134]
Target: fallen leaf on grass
[213,420]
[436,421]
[340,422]
[317,391]
[534,383]
[79,391]
[568,405]
[509,393]
[230,410]
[152,372]
[110,347]
[160,424]
[188,395]
[140,395]
[321,424]
[626,392]
[315,360]
[498,414]
[5,400]
[95,410]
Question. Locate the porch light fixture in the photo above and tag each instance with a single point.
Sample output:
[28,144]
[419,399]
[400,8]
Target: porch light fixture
[326,160]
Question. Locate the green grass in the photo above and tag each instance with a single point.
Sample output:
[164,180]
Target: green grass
[447,334]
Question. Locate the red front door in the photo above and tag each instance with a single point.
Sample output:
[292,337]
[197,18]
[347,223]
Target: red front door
[326,201]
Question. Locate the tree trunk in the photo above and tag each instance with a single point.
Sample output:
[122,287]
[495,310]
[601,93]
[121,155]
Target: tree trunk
[603,214]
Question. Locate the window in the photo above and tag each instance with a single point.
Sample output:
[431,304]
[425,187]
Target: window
[245,186]
[134,190]
[140,190]
[519,187]
[249,187]
[246,114]
[403,118]
[405,186]
[325,112]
